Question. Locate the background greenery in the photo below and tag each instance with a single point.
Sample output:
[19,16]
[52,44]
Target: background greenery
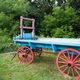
[61,20]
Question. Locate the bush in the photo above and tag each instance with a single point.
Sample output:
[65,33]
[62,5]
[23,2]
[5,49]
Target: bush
[7,44]
[62,22]
[63,32]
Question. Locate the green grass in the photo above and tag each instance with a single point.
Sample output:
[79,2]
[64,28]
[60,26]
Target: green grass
[42,68]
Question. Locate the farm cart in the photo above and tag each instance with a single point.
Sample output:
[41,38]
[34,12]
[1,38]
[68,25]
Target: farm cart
[68,58]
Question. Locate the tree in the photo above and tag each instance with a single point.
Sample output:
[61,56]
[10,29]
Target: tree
[74,3]
[61,23]
[39,7]
[10,12]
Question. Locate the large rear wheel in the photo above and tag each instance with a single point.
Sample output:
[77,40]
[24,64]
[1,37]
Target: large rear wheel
[68,63]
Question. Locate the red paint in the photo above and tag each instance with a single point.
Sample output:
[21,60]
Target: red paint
[25,54]
[21,20]
[69,64]
[45,52]
[37,53]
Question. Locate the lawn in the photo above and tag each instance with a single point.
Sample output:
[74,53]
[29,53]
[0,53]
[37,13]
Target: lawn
[42,68]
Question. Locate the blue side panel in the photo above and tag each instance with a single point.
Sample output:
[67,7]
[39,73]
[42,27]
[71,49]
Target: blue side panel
[26,35]
[43,45]
[32,46]
[23,44]
[60,47]
[54,48]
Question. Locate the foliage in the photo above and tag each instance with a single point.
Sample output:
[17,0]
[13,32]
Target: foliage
[10,12]
[39,7]
[6,43]
[74,3]
[63,32]
[61,23]
[60,20]
[8,47]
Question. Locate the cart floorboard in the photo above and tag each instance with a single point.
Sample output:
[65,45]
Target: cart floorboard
[63,40]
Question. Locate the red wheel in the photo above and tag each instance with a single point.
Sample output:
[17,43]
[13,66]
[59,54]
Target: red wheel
[38,53]
[25,54]
[69,64]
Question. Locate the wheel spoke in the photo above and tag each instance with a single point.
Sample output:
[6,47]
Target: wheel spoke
[20,56]
[76,57]
[29,59]
[21,59]
[77,64]
[24,49]
[65,69]
[68,71]
[76,71]
[27,52]
[62,62]
[20,51]
[65,56]
[39,54]
[62,58]
[72,55]
[24,59]
[68,54]
[62,66]
[30,56]
[77,61]
[72,72]
[77,67]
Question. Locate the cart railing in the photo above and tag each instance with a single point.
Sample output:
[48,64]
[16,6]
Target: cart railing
[24,27]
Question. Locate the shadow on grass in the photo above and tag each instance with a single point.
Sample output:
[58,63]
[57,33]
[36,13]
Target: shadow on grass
[45,59]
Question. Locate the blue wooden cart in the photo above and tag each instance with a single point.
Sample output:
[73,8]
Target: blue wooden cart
[68,56]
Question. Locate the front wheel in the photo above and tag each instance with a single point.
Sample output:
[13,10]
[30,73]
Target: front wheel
[68,63]
[25,55]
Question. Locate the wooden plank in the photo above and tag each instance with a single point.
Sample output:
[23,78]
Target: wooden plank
[8,53]
[60,40]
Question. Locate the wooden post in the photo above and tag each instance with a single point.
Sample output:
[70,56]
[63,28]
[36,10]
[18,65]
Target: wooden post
[21,26]
[33,34]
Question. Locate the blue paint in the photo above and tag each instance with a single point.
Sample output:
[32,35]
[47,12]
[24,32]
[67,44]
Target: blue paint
[26,35]
[32,46]
[55,46]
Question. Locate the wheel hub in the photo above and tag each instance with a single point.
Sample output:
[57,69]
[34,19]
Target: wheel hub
[24,55]
[70,64]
